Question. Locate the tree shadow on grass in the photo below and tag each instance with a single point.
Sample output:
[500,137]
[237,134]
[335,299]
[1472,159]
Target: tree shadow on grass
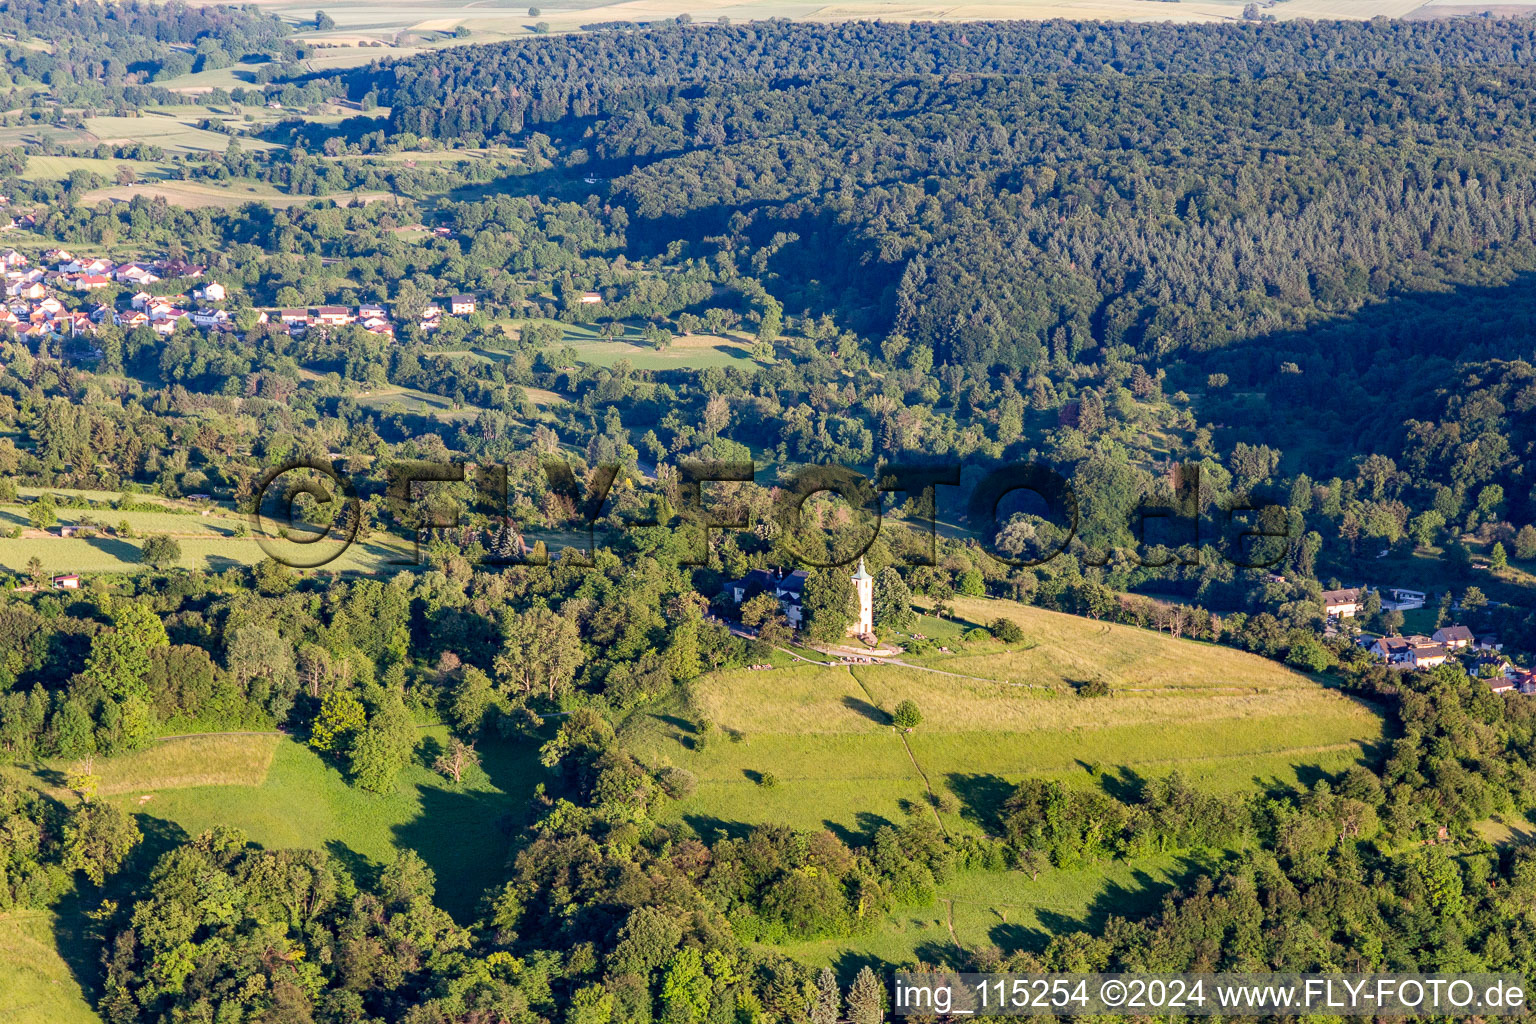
[867,709]
[1142,897]
[1011,937]
[710,828]
[466,833]
[428,750]
[79,938]
[946,954]
[848,965]
[364,870]
[118,549]
[1125,785]
[681,724]
[981,798]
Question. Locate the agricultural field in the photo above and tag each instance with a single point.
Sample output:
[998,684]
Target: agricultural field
[37,135]
[410,401]
[694,351]
[193,194]
[57,168]
[212,543]
[994,715]
[176,133]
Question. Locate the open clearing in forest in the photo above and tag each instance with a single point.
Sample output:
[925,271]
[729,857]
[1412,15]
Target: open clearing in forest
[284,795]
[994,714]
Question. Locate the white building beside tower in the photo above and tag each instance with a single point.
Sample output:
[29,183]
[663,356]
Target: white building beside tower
[864,591]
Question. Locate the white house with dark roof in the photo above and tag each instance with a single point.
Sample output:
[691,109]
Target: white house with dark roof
[1343,604]
[1453,637]
[789,588]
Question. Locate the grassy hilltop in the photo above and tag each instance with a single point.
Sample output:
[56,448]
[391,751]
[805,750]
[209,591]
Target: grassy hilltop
[993,715]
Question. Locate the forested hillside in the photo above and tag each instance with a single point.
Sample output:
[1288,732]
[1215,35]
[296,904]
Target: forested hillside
[1295,258]
[1263,218]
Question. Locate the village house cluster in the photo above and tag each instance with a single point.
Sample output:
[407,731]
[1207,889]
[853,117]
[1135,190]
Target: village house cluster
[33,309]
[1481,656]
[371,317]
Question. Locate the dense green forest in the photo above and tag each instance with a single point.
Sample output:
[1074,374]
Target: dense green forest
[92,42]
[1296,257]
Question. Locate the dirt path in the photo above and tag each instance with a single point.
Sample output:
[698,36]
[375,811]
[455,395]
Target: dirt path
[949,919]
[933,800]
[962,675]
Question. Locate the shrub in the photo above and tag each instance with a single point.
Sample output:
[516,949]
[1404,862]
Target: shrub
[1094,688]
[906,716]
[677,783]
[1008,631]
[767,780]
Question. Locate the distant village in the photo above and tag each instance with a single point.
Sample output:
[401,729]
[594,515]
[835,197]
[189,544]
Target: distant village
[1481,656]
[34,311]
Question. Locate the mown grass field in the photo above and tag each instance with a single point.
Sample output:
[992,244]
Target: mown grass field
[994,714]
[36,984]
[285,795]
[57,168]
[694,352]
[208,542]
[175,133]
[210,552]
[418,403]
[193,194]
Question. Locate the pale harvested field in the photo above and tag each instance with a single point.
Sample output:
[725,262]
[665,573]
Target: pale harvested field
[185,762]
[489,20]
[192,194]
[211,760]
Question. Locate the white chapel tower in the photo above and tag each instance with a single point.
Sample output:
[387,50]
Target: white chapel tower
[864,590]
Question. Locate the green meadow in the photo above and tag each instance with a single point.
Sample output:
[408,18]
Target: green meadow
[39,986]
[1008,910]
[282,794]
[213,542]
[694,351]
[993,715]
